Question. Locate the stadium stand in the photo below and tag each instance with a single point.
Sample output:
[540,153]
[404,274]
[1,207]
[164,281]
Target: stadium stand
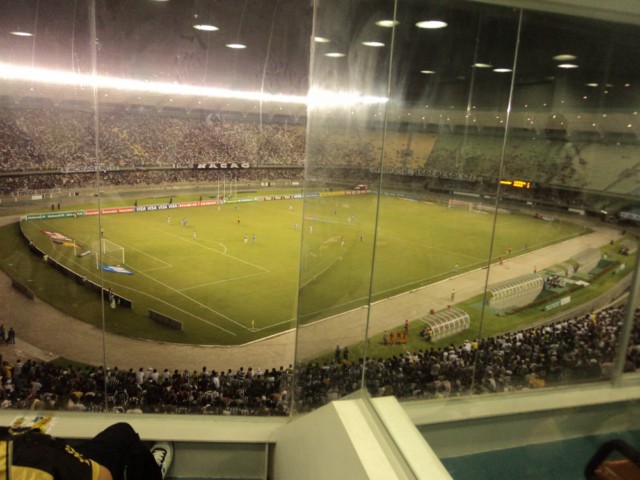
[51,149]
[47,147]
[580,349]
[54,139]
[568,351]
[25,183]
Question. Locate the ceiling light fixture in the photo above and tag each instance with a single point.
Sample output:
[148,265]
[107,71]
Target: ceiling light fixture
[334,54]
[236,46]
[564,57]
[431,24]
[482,65]
[387,23]
[205,27]
[373,44]
[427,72]
[320,40]
[502,70]
[567,66]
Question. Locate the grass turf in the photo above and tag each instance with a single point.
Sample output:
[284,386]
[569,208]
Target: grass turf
[226,291]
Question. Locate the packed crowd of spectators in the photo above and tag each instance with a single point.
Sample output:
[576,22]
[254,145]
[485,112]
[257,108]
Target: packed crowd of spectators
[43,386]
[571,351]
[51,139]
[50,182]
[56,140]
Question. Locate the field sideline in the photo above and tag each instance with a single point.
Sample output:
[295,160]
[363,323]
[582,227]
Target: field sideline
[227,291]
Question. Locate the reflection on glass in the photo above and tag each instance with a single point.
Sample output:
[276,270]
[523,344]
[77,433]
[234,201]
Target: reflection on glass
[492,267]
[158,176]
[423,212]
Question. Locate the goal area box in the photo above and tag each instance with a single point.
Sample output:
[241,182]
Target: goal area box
[108,253]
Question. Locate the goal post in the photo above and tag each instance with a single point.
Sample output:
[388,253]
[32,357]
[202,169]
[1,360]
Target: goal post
[108,253]
[454,203]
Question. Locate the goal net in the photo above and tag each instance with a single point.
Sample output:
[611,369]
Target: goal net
[453,203]
[476,207]
[108,253]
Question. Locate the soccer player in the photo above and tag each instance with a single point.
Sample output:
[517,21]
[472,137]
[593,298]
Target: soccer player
[194,234]
[246,238]
[253,238]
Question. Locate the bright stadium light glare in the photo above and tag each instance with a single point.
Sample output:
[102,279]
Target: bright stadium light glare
[53,77]
[324,98]
[71,79]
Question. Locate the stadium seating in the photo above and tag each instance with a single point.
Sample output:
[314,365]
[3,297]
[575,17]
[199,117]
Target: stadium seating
[44,140]
[578,349]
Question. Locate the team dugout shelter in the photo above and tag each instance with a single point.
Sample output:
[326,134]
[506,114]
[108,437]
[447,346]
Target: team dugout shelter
[446,322]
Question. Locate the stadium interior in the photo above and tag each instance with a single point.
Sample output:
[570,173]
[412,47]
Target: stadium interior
[407,229]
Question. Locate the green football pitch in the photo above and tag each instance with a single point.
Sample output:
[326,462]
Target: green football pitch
[234,273]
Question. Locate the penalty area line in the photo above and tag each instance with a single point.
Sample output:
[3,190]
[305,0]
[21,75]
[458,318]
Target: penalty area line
[220,281]
[197,303]
[167,264]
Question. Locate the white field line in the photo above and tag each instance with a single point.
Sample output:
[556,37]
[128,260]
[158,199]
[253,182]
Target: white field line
[199,243]
[185,296]
[167,264]
[197,303]
[233,279]
[180,291]
[82,268]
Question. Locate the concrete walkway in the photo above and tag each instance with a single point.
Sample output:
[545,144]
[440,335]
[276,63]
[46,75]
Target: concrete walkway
[46,333]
